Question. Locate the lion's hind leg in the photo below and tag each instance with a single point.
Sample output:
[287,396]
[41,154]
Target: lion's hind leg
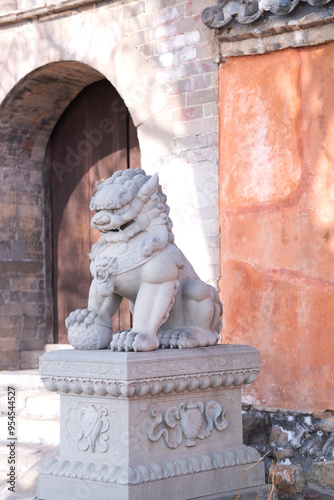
[201,313]
[216,323]
[200,305]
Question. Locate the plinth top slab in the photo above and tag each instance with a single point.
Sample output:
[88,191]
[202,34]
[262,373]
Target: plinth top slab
[130,374]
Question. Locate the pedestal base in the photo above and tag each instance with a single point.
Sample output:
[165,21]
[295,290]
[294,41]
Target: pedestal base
[147,426]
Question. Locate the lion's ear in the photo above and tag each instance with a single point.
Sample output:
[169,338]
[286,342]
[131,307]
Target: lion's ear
[149,187]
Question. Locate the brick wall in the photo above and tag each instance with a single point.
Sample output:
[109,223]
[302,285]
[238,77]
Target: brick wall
[158,55]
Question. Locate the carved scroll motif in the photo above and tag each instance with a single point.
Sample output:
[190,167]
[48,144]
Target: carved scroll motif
[94,424]
[194,420]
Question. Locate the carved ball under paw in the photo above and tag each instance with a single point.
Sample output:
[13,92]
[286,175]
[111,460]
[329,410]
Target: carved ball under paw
[84,333]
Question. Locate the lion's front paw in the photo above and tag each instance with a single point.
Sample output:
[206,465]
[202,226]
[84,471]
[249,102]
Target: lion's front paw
[128,340]
[145,342]
[84,332]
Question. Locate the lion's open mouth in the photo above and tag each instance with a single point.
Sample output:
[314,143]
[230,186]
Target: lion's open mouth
[122,227]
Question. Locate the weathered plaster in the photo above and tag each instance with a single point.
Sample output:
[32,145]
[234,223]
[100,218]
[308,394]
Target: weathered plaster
[277,220]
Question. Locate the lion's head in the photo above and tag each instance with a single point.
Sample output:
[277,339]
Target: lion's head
[127,203]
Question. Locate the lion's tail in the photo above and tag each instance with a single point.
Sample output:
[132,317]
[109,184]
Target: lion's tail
[217,322]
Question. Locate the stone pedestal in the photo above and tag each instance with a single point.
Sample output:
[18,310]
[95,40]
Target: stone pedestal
[146,426]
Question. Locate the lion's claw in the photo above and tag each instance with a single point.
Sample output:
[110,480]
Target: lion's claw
[128,340]
[79,316]
[185,338]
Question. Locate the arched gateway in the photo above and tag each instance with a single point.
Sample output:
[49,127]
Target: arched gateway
[49,169]
[47,61]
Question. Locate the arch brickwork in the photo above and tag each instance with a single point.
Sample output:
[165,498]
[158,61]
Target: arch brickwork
[46,62]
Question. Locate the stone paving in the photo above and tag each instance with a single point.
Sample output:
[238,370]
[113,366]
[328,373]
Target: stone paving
[37,424]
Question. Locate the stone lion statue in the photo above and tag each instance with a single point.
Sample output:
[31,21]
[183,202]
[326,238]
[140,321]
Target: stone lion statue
[136,258]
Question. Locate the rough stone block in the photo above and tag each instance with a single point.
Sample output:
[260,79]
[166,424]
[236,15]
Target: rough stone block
[163,424]
[325,423]
[290,479]
[322,473]
[256,427]
[313,492]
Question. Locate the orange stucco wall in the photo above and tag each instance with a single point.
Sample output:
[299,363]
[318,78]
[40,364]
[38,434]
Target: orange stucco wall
[277,220]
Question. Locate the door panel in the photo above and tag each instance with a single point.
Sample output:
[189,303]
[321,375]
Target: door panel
[94,137]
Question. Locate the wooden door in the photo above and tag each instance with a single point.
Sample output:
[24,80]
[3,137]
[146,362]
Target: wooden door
[94,137]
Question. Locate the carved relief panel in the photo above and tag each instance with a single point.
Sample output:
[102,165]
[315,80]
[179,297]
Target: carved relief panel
[94,424]
[85,426]
[170,426]
[190,420]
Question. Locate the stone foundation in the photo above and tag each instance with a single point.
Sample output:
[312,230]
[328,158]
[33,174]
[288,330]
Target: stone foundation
[162,424]
[300,449]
